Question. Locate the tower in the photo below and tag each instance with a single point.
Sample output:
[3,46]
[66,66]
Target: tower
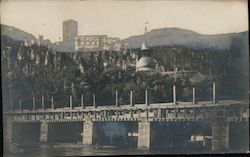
[145,61]
[70,31]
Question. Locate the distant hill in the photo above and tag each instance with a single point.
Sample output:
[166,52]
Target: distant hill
[158,37]
[16,33]
[187,38]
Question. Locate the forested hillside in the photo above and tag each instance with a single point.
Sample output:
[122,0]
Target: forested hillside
[33,71]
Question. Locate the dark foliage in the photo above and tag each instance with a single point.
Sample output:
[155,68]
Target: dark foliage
[33,71]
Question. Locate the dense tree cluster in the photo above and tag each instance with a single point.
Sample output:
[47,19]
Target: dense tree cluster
[35,71]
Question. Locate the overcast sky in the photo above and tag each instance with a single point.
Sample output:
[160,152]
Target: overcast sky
[124,18]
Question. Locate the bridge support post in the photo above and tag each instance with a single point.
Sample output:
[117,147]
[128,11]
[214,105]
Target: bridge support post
[62,116]
[220,134]
[159,112]
[104,113]
[44,131]
[176,113]
[131,113]
[116,113]
[8,133]
[167,111]
[88,135]
[144,133]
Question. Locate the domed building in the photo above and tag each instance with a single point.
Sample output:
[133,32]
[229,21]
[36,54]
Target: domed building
[145,61]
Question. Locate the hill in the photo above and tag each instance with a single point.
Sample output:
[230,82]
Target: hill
[16,34]
[186,38]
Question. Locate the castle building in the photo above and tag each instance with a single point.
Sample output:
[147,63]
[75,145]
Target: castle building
[89,42]
[97,43]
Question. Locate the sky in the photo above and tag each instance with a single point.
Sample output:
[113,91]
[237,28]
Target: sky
[124,18]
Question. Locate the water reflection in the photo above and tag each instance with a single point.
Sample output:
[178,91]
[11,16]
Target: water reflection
[66,149]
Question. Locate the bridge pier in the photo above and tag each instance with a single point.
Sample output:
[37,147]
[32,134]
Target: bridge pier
[220,134]
[8,134]
[144,135]
[44,132]
[89,132]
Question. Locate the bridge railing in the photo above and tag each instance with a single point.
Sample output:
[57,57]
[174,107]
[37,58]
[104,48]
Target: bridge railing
[131,102]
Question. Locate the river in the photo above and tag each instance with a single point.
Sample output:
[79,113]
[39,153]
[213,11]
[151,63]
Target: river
[67,149]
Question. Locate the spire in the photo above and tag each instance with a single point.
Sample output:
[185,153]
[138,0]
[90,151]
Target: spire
[145,38]
[144,44]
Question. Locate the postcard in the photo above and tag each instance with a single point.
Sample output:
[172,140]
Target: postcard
[125,77]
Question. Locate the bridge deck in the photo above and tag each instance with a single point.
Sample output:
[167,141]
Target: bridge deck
[178,105]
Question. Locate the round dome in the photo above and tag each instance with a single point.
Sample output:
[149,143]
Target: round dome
[145,62]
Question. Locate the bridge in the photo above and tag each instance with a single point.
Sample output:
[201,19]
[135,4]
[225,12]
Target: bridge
[220,113]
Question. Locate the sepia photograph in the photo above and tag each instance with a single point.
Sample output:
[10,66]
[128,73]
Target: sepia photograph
[124,77]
